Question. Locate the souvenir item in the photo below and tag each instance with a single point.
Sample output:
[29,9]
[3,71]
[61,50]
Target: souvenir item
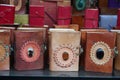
[100,51]
[91,18]
[7,14]
[4,49]
[36,16]
[29,47]
[64,50]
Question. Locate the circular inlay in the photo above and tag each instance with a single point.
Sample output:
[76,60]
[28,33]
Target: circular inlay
[100,53]
[30,51]
[65,55]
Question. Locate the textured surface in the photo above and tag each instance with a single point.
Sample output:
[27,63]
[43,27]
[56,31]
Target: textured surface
[92,38]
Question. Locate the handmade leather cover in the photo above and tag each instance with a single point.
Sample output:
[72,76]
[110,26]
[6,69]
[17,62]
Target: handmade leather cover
[29,49]
[114,3]
[7,14]
[99,51]
[84,39]
[108,21]
[4,50]
[20,6]
[36,16]
[64,15]
[64,51]
[118,19]
[50,13]
[78,19]
[91,18]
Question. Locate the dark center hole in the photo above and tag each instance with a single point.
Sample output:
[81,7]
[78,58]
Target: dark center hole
[100,53]
[65,56]
[30,53]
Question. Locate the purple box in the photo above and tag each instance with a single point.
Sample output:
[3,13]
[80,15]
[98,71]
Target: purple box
[114,3]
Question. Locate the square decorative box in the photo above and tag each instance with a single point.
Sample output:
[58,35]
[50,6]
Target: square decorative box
[108,21]
[64,15]
[91,18]
[36,16]
[29,49]
[7,14]
[64,50]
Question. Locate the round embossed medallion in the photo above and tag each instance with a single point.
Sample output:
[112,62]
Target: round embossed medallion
[100,53]
[30,51]
[65,55]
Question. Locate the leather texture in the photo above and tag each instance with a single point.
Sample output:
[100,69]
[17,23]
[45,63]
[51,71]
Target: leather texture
[91,18]
[84,39]
[64,15]
[61,43]
[36,16]
[7,14]
[29,49]
[4,50]
[99,51]
[78,19]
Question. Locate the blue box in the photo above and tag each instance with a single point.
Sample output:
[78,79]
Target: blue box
[108,21]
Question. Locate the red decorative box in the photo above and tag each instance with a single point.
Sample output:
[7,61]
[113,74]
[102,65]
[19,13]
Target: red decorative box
[118,19]
[50,13]
[91,18]
[7,13]
[64,15]
[36,16]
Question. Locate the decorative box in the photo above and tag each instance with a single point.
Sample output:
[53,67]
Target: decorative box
[29,47]
[36,16]
[84,39]
[117,56]
[50,13]
[36,2]
[4,49]
[100,51]
[54,0]
[108,21]
[64,50]
[20,6]
[114,3]
[91,18]
[7,14]
[64,15]
[118,19]
[78,19]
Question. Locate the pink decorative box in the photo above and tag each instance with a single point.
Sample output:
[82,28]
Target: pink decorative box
[36,16]
[64,15]
[7,14]
[91,18]
[118,19]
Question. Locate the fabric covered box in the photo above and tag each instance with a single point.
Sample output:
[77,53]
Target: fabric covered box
[114,3]
[91,18]
[64,15]
[108,21]
[36,16]
[7,13]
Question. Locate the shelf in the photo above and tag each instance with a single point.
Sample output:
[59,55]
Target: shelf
[46,74]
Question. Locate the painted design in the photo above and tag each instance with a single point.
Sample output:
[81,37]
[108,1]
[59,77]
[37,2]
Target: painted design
[30,51]
[4,52]
[105,53]
[71,55]
[17,3]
